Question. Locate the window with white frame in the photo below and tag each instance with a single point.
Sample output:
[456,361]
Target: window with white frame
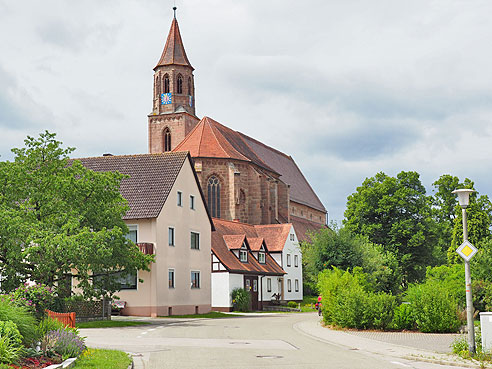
[269,285]
[195,241]
[292,238]
[192,202]
[296,284]
[171,278]
[289,285]
[171,236]
[261,257]
[296,260]
[195,279]
[288,260]
[180,198]
[243,256]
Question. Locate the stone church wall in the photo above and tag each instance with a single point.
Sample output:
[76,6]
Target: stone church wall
[306,212]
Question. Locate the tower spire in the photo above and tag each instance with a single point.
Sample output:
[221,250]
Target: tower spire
[174,51]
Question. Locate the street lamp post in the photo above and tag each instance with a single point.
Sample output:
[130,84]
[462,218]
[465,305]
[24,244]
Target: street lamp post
[464,201]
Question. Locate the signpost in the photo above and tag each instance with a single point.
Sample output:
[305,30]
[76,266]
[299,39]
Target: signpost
[467,251]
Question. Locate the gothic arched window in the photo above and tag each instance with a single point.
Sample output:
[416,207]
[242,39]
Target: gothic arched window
[157,86]
[189,86]
[166,84]
[179,88]
[166,136]
[214,196]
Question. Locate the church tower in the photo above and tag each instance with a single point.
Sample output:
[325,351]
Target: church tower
[173,108]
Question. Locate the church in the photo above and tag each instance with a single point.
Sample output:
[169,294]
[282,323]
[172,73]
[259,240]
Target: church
[242,179]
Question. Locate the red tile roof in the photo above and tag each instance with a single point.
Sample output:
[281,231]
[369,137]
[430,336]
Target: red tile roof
[255,243]
[174,51]
[226,230]
[210,139]
[303,227]
[274,235]
[234,241]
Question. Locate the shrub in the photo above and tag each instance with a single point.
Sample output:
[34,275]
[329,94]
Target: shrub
[9,351]
[433,307]
[349,302]
[240,299]
[23,319]
[9,329]
[37,298]
[403,318]
[65,343]
[292,304]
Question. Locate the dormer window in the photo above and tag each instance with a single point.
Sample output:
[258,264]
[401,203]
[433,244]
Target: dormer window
[261,257]
[243,254]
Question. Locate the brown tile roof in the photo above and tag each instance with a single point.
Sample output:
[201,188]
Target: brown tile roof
[151,178]
[275,235]
[174,51]
[210,139]
[303,227]
[223,231]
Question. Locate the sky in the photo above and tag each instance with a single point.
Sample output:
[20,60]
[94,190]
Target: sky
[347,88]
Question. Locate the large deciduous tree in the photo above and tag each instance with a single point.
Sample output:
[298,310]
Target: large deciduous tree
[58,218]
[395,212]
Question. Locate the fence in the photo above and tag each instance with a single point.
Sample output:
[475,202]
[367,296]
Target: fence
[90,310]
[67,319]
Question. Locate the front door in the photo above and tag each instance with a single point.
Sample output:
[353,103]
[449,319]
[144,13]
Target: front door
[251,285]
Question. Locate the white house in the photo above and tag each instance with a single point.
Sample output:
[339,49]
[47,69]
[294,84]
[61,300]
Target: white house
[250,256]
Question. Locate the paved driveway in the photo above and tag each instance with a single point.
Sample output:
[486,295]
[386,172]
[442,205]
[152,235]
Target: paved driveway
[263,341]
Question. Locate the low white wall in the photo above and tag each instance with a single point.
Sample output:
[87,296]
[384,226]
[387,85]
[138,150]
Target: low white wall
[220,290]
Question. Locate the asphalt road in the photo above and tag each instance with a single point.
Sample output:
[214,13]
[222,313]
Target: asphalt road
[264,341]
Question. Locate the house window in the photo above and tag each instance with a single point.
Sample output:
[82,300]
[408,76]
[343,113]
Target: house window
[171,236]
[292,238]
[180,84]
[180,198]
[289,285]
[269,285]
[213,189]
[192,202]
[166,84]
[261,257]
[195,241]
[195,279]
[296,261]
[132,233]
[288,260]
[166,136]
[171,278]
[255,285]
[126,281]
[297,285]
[243,256]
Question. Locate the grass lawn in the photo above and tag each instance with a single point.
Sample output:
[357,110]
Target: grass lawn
[211,315]
[98,359]
[109,324]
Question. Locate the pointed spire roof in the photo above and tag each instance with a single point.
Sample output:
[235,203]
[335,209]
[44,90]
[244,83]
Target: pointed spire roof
[174,51]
